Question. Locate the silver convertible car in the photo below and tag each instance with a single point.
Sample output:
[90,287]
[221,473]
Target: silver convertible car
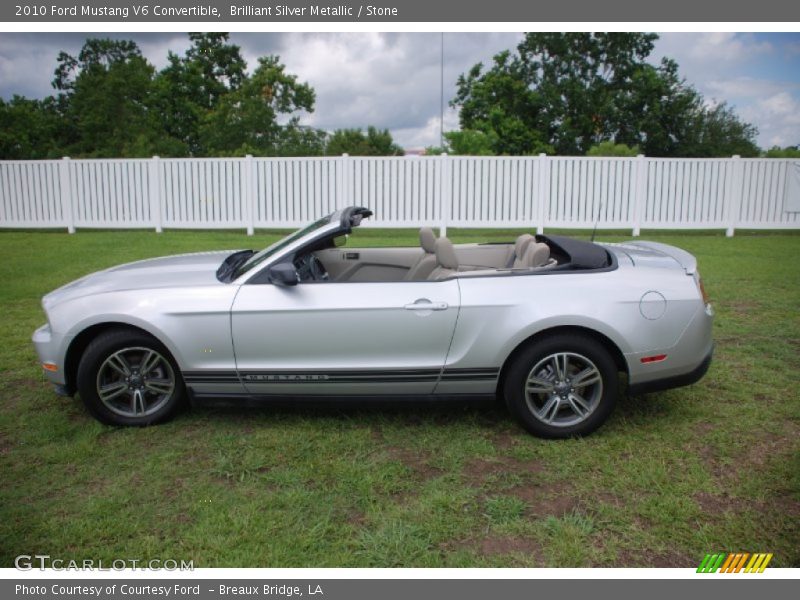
[547,323]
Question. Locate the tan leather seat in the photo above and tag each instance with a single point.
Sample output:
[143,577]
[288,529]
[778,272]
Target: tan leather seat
[518,251]
[446,260]
[426,263]
[537,255]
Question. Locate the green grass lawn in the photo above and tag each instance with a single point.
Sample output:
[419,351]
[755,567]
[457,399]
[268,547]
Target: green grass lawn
[672,476]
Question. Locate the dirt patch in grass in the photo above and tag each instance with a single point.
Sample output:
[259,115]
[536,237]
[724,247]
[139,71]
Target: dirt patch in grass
[415,460]
[657,559]
[713,504]
[542,498]
[598,498]
[742,307]
[478,470]
[494,545]
[356,518]
[546,500]
[507,439]
[5,444]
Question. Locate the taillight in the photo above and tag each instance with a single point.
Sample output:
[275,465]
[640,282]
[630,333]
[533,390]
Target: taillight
[706,299]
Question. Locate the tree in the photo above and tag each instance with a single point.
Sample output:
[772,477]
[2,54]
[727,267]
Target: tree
[717,131]
[609,148]
[657,112]
[299,140]
[192,85]
[467,142]
[105,98]
[30,129]
[245,121]
[557,90]
[778,152]
[566,92]
[353,142]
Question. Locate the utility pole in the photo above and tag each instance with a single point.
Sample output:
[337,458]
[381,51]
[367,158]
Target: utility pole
[441,96]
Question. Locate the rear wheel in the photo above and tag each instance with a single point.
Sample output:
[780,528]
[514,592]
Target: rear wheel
[128,378]
[562,386]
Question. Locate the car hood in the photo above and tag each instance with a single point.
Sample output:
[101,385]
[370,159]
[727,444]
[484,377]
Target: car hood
[182,270]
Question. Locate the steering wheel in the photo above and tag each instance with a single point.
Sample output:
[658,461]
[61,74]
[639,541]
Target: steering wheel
[318,272]
[310,268]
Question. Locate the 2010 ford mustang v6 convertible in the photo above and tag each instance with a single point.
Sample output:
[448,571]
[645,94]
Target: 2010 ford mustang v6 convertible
[546,322]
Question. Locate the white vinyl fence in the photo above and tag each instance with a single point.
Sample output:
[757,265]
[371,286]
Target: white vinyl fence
[531,192]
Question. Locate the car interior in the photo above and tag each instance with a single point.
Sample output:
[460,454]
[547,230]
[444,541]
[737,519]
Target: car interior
[434,259]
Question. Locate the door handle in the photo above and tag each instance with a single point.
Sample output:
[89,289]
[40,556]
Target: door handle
[425,304]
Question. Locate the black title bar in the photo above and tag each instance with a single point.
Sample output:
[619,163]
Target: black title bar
[399,11]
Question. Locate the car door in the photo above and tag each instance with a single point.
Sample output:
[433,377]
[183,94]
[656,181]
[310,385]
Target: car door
[328,338]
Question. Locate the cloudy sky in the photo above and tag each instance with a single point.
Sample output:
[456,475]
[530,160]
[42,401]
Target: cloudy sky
[392,80]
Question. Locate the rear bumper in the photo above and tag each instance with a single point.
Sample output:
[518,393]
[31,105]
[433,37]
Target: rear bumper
[658,385]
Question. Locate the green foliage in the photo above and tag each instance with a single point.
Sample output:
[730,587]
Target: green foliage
[191,86]
[788,152]
[355,143]
[471,142]
[105,98]
[567,92]
[609,148]
[718,131]
[474,142]
[435,150]
[246,120]
[112,103]
[30,129]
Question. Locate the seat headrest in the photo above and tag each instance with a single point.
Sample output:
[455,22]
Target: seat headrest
[427,240]
[446,254]
[536,255]
[522,244]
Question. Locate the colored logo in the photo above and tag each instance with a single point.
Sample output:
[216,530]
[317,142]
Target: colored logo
[738,562]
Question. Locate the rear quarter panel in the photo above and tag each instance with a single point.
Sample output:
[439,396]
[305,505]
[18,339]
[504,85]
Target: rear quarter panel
[500,313]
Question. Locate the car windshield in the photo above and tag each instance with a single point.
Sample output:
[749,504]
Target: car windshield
[258,258]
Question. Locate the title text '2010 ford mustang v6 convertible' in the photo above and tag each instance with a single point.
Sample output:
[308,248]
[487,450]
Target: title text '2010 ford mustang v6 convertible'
[547,323]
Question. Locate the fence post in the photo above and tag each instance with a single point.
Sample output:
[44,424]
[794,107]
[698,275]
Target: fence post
[445,193]
[154,177]
[543,193]
[347,183]
[249,196]
[66,193]
[640,197]
[733,200]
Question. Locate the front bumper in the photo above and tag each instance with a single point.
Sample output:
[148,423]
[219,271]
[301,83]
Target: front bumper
[675,381]
[48,347]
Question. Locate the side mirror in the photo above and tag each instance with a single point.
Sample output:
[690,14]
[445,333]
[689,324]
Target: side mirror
[340,241]
[284,275]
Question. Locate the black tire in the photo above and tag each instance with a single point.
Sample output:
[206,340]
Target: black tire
[553,396]
[156,407]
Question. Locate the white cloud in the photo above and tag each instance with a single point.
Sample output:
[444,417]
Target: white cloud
[744,87]
[726,46]
[778,119]
[429,134]
[387,80]
[747,72]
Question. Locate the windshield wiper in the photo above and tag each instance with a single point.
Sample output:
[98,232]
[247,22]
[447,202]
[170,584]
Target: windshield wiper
[229,266]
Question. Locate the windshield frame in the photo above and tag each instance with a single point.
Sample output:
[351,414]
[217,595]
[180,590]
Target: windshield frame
[339,222]
[251,265]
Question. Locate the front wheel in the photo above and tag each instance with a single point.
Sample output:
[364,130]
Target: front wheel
[128,378]
[562,386]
